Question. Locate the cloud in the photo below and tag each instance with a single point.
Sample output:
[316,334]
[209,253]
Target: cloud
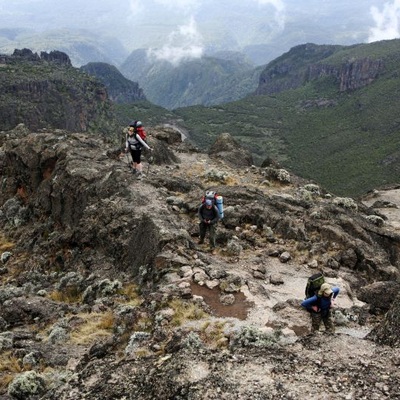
[182,4]
[280,10]
[184,43]
[387,22]
[135,7]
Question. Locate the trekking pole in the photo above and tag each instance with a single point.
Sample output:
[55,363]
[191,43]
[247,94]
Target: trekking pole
[148,164]
[127,159]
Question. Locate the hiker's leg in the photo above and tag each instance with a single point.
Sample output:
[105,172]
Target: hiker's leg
[315,321]
[136,159]
[203,229]
[132,163]
[328,323]
[212,234]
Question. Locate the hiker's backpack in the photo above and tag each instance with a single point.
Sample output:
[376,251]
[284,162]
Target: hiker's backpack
[216,199]
[138,129]
[314,283]
[141,132]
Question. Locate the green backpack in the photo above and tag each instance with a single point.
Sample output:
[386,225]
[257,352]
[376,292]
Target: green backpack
[314,283]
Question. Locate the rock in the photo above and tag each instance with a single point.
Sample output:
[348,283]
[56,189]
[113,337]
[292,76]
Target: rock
[387,332]
[227,149]
[276,279]
[285,257]
[5,256]
[379,295]
[27,384]
[227,299]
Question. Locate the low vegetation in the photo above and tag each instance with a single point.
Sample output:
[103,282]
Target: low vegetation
[347,141]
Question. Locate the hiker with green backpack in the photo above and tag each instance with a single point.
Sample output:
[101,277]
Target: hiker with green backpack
[319,304]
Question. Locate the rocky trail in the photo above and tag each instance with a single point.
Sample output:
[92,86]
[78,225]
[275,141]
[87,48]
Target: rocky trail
[169,319]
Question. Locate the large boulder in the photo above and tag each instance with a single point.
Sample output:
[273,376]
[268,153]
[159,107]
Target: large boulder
[379,295]
[229,150]
[387,332]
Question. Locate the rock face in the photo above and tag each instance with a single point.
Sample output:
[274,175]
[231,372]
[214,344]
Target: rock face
[120,90]
[287,72]
[388,330]
[57,96]
[106,293]
[227,149]
[351,75]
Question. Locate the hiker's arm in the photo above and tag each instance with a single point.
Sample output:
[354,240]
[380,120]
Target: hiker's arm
[142,142]
[199,214]
[335,291]
[309,303]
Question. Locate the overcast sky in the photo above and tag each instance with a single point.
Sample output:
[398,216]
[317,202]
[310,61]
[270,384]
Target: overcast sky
[176,26]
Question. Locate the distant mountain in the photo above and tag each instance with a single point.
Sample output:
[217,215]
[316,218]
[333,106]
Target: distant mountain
[263,30]
[82,46]
[328,113]
[225,77]
[119,89]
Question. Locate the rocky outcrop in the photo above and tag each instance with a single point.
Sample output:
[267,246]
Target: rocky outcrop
[56,96]
[120,90]
[349,76]
[226,148]
[306,63]
[387,332]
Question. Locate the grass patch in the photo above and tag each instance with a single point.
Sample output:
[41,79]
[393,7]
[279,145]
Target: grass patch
[185,311]
[5,244]
[9,367]
[95,326]
[213,334]
[130,293]
[70,295]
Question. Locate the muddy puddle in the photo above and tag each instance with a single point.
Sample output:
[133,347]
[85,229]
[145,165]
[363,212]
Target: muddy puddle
[239,309]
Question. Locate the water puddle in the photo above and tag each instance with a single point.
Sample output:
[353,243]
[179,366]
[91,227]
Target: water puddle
[239,309]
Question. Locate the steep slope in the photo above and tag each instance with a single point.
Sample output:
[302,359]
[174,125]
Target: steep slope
[119,89]
[105,292]
[47,92]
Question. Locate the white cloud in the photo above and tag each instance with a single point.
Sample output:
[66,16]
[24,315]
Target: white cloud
[184,43]
[135,7]
[183,4]
[280,8]
[387,22]
[278,4]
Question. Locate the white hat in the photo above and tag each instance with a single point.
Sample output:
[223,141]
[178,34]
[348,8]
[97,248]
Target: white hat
[325,289]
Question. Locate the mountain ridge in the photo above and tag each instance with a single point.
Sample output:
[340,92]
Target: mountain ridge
[47,91]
